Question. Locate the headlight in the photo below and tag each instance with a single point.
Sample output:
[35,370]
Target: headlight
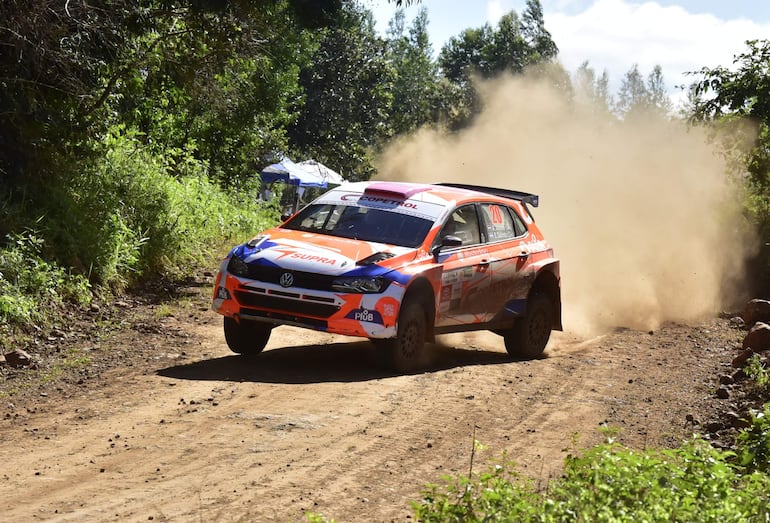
[360,284]
[237,267]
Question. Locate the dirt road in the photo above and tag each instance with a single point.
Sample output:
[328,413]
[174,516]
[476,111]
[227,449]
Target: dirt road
[190,432]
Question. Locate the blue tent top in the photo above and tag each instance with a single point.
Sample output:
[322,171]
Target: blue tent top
[289,172]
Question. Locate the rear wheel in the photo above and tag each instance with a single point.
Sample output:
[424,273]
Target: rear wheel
[529,336]
[407,351]
[247,337]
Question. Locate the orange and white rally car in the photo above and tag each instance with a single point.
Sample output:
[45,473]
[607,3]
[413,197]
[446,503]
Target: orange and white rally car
[397,263]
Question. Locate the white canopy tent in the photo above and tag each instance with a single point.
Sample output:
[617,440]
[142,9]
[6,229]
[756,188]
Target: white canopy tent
[327,175]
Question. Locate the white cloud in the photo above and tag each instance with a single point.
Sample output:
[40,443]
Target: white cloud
[613,35]
[495,11]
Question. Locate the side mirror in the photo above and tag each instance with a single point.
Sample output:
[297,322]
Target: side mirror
[447,241]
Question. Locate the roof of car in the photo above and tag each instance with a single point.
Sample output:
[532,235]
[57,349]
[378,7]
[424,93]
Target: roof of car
[444,191]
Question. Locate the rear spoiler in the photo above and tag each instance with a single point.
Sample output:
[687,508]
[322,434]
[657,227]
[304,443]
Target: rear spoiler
[524,197]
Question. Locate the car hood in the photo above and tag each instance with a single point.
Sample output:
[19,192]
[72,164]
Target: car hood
[321,254]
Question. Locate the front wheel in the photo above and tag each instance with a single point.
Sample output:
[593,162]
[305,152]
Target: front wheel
[407,352]
[247,337]
[529,336]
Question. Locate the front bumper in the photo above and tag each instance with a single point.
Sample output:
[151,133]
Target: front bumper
[351,314]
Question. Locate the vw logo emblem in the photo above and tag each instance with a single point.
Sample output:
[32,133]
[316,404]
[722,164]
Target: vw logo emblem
[287,279]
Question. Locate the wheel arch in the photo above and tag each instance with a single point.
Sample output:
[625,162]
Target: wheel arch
[547,283]
[421,290]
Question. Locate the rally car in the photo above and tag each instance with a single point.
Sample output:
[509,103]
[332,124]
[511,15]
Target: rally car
[397,263]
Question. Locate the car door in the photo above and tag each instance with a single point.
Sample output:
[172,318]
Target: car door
[466,276]
[510,274]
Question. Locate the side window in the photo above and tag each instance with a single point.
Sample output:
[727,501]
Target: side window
[464,224]
[518,223]
[499,224]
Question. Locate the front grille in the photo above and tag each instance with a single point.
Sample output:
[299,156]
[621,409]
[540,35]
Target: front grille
[295,303]
[303,280]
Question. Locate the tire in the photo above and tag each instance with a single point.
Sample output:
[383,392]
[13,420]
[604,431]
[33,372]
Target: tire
[407,351]
[529,336]
[247,337]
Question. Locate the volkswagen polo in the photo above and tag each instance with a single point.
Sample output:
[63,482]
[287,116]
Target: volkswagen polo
[398,263]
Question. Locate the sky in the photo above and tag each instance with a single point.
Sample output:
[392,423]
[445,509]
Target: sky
[614,35]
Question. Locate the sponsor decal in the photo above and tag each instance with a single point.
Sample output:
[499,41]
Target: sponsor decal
[367,315]
[468,272]
[389,310]
[313,258]
[450,277]
[378,199]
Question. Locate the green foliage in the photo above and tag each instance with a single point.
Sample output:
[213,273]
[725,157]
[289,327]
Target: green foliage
[32,289]
[415,89]
[515,45]
[217,85]
[348,96]
[754,442]
[638,98]
[760,374]
[610,483]
[134,213]
[692,483]
[591,90]
[312,517]
[737,101]
[497,494]
[215,79]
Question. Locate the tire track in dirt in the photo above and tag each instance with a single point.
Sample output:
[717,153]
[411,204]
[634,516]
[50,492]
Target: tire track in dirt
[313,424]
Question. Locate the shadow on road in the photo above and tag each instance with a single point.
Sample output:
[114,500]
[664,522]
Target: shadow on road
[341,362]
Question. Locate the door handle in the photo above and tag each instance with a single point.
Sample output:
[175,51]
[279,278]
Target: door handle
[484,263]
[523,255]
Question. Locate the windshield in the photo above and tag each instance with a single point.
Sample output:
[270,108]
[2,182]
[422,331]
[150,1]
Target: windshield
[361,223]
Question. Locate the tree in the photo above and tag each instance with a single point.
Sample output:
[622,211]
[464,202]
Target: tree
[743,92]
[415,85]
[591,90]
[737,101]
[512,46]
[515,45]
[542,46]
[348,90]
[637,98]
[209,76]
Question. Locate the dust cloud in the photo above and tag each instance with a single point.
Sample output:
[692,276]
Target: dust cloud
[641,213]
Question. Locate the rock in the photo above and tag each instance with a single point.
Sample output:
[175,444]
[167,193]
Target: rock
[18,358]
[726,379]
[737,321]
[736,420]
[723,393]
[740,360]
[714,427]
[739,375]
[756,310]
[758,337]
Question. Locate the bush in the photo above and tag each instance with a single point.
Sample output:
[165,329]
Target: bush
[609,483]
[132,213]
[495,495]
[32,290]
[754,442]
